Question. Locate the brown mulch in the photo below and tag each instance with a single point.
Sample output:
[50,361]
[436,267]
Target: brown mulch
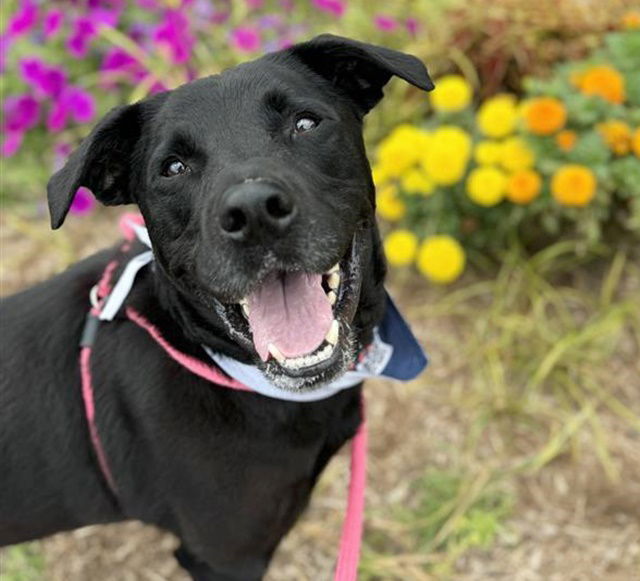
[569,522]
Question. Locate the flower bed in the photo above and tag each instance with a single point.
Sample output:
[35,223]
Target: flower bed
[563,161]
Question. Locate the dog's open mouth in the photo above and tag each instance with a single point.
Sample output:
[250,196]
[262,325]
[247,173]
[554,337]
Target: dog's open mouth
[299,323]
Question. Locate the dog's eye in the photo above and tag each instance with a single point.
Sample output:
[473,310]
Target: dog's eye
[173,167]
[305,123]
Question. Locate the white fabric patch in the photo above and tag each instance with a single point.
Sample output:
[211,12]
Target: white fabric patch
[123,287]
[375,360]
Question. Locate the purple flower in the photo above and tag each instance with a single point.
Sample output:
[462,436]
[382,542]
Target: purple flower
[83,31]
[284,43]
[21,113]
[80,104]
[61,152]
[117,59]
[246,39]
[57,117]
[11,143]
[203,11]
[174,33]
[46,80]
[52,22]
[412,25]
[75,103]
[85,28]
[83,202]
[24,19]
[254,4]
[220,17]
[5,43]
[335,7]
[140,33]
[107,5]
[157,87]
[385,23]
[270,21]
[118,63]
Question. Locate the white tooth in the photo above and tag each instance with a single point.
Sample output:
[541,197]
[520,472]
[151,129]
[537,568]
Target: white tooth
[333,297]
[245,309]
[275,352]
[332,335]
[334,268]
[325,353]
[334,281]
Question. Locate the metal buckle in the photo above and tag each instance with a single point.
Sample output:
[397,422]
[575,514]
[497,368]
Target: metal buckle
[93,296]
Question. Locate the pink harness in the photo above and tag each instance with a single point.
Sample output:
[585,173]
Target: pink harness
[350,542]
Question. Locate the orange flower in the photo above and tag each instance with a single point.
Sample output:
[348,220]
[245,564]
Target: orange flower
[603,81]
[573,185]
[635,142]
[631,20]
[544,115]
[617,136]
[523,186]
[566,139]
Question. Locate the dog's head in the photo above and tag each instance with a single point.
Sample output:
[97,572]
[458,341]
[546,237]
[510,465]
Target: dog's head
[258,197]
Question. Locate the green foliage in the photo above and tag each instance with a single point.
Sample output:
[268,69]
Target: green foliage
[454,512]
[22,563]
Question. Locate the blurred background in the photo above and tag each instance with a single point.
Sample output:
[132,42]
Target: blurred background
[509,200]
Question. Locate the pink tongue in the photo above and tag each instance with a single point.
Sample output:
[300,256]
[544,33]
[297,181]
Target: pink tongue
[291,311]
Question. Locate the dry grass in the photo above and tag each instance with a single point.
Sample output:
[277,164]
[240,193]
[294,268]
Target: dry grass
[515,457]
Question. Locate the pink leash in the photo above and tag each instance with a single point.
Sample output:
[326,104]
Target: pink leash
[352,528]
[351,539]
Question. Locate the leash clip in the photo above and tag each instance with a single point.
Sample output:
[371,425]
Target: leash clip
[92,320]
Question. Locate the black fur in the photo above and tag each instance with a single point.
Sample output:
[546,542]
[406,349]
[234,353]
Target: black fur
[227,472]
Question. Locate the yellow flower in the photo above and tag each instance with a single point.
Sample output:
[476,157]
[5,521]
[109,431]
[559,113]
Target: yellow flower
[488,152]
[416,181]
[379,174]
[389,204]
[635,142]
[544,115]
[573,185]
[445,160]
[441,258]
[617,136]
[516,155]
[452,93]
[486,185]
[631,20]
[400,247]
[523,186]
[401,149]
[497,116]
[603,81]
[566,139]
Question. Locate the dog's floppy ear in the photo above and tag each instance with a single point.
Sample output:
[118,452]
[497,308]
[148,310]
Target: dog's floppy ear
[101,163]
[359,69]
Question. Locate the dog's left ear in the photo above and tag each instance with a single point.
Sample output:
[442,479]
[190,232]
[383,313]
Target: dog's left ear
[359,69]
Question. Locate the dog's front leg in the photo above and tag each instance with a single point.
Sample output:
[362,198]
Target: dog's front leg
[247,570]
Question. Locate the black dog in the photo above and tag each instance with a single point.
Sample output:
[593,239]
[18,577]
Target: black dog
[254,185]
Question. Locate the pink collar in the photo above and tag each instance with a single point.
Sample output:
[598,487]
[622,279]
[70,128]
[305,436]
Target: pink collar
[350,542]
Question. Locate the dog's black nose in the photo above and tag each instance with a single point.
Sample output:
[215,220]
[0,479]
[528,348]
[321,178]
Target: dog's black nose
[256,209]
